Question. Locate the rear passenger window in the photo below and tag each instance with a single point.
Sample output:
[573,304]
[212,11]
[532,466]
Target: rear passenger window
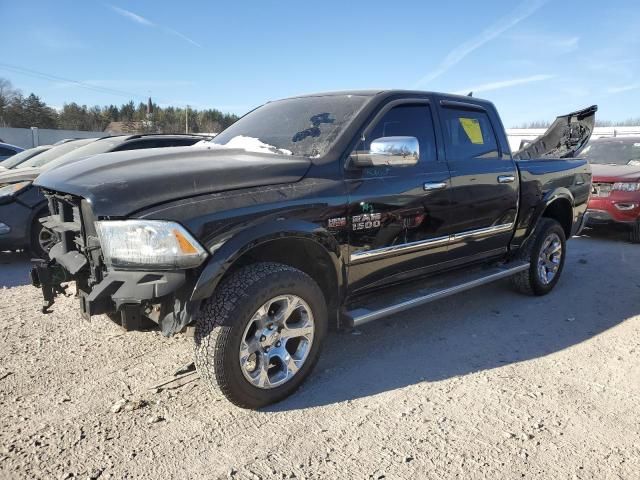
[155,143]
[407,121]
[469,134]
[181,142]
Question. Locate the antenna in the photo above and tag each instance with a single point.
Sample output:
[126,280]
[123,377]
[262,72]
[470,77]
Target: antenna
[470,94]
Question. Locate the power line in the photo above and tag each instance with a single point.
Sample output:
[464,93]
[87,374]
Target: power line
[47,76]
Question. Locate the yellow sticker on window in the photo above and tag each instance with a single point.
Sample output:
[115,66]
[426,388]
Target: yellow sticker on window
[472,128]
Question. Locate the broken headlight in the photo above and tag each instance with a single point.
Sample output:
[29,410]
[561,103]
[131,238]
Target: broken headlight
[153,244]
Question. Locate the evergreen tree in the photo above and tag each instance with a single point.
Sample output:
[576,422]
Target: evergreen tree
[18,111]
[37,114]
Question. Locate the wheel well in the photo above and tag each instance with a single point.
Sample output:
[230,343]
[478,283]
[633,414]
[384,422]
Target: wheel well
[303,254]
[561,211]
[35,215]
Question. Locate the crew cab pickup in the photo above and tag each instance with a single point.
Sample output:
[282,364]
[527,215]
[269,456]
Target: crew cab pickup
[319,211]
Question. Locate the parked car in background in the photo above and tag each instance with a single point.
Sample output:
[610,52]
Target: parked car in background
[615,198]
[15,160]
[7,150]
[310,212]
[31,168]
[22,205]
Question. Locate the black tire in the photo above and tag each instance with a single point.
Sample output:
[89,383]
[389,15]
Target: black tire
[530,281]
[37,247]
[224,318]
[634,234]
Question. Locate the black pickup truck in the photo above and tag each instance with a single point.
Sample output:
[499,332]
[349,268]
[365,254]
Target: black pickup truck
[313,212]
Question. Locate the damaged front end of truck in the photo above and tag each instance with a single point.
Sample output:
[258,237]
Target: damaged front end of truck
[147,290]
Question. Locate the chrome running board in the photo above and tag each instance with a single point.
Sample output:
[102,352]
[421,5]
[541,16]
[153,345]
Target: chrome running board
[362,315]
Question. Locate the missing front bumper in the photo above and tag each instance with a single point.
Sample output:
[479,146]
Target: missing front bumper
[160,296]
[49,277]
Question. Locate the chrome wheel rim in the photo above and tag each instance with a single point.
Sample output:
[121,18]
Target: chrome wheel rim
[276,342]
[46,239]
[549,258]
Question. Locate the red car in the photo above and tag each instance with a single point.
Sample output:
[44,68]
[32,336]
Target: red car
[615,198]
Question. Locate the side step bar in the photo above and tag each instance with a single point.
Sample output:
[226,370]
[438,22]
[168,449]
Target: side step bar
[360,316]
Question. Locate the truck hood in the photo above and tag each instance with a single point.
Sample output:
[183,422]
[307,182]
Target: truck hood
[121,183]
[18,175]
[615,173]
[565,138]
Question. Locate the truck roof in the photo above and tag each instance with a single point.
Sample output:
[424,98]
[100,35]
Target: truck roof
[390,92]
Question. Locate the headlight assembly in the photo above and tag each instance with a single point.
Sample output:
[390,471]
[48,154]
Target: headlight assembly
[12,189]
[627,187]
[153,244]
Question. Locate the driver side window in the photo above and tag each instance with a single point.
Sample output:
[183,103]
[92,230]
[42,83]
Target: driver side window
[407,121]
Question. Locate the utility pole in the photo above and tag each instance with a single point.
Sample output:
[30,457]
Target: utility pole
[186,120]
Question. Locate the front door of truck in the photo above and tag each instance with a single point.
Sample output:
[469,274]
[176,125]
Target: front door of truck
[398,216]
[484,181]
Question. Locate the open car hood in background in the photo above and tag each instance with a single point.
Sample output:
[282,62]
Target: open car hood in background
[565,138]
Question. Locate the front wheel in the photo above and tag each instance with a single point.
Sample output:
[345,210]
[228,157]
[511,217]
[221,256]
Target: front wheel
[259,336]
[546,254]
[42,239]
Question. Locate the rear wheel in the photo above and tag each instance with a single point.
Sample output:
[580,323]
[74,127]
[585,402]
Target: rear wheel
[546,254]
[634,234]
[259,336]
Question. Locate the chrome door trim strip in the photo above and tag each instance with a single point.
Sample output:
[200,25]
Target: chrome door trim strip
[403,248]
[482,232]
[430,243]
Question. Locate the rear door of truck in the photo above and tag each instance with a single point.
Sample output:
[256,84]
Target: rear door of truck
[484,179]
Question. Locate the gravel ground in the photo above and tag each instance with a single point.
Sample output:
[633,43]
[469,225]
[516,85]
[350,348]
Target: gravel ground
[487,384]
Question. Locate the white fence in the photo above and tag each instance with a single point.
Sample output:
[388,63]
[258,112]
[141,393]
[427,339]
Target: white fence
[519,135]
[34,136]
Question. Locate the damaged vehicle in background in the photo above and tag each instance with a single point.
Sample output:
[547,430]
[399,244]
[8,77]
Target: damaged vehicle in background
[309,213]
[22,205]
[615,198]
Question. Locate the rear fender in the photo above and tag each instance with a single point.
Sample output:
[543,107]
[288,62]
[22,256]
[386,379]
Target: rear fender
[227,250]
[558,195]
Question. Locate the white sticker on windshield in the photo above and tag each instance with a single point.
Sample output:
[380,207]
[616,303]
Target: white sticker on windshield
[636,144]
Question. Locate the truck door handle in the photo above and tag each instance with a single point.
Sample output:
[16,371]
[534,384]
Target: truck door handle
[431,186]
[506,178]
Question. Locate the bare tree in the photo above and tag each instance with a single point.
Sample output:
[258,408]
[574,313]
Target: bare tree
[7,95]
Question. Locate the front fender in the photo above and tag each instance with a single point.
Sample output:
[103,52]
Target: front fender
[228,249]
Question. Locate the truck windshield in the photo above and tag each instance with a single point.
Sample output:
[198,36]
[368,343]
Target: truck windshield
[613,152]
[304,126]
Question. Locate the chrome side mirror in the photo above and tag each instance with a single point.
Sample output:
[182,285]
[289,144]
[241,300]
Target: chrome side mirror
[389,151]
